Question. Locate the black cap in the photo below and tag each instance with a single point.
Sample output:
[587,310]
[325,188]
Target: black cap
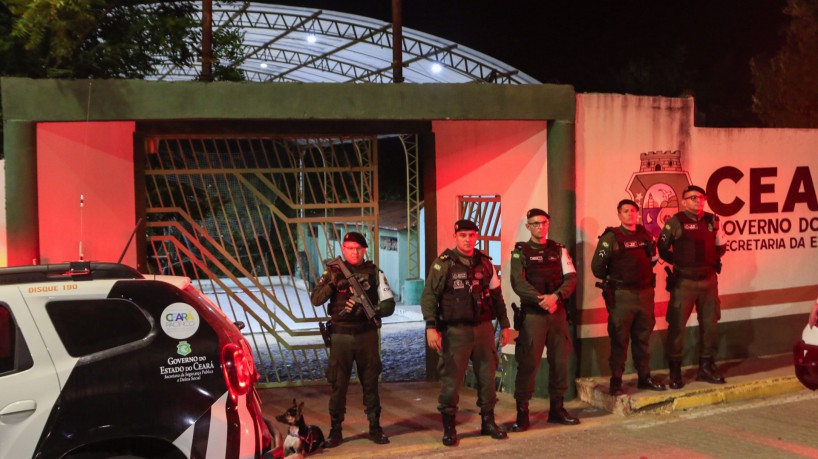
[534,212]
[465,225]
[626,201]
[693,188]
[352,236]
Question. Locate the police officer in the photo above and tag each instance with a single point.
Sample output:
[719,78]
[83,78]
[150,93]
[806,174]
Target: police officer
[624,260]
[690,241]
[354,337]
[461,298]
[543,275]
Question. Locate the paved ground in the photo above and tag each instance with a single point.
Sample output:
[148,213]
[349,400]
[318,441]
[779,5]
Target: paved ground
[761,412]
[781,427]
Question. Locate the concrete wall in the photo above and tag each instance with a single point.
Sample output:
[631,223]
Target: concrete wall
[768,281]
[93,160]
[505,158]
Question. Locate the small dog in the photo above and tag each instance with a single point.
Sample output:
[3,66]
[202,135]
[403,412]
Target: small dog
[301,439]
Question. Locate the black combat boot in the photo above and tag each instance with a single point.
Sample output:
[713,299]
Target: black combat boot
[488,426]
[375,431]
[522,423]
[558,415]
[335,437]
[708,372]
[676,381]
[616,386]
[646,382]
[449,432]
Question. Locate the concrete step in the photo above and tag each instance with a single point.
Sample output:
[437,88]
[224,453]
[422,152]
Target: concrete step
[746,379]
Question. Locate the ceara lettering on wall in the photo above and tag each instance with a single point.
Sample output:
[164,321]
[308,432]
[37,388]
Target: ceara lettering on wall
[762,185]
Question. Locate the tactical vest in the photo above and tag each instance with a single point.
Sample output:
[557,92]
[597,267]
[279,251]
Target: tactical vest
[466,298]
[343,291]
[542,267]
[631,265]
[696,248]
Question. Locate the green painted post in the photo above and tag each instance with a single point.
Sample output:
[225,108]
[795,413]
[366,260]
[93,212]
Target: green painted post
[22,218]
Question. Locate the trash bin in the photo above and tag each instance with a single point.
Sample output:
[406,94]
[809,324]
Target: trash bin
[412,289]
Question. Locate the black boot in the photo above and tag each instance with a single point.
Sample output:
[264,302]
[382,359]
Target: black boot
[488,426]
[616,386]
[676,381]
[335,437]
[646,382]
[376,433]
[708,372]
[449,432]
[522,423]
[558,415]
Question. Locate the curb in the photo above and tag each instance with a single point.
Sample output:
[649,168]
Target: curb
[594,391]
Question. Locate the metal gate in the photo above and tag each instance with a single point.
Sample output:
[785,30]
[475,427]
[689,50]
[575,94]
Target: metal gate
[251,221]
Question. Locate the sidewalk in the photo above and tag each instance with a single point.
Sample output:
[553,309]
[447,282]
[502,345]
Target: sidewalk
[746,379]
[411,420]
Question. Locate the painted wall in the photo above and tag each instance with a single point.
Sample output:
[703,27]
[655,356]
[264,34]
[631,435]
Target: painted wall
[505,158]
[3,241]
[93,160]
[772,239]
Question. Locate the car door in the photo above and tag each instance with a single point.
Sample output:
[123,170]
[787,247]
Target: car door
[28,380]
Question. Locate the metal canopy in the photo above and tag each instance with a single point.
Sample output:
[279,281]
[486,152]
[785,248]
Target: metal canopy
[285,43]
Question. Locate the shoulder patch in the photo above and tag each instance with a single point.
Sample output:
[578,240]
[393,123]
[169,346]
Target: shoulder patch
[437,267]
[515,255]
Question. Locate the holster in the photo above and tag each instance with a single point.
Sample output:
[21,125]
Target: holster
[519,316]
[608,294]
[671,279]
[326,332]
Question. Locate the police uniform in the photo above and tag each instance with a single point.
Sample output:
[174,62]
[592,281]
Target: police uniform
[625,259]
[354,340]
[461,297]
[538,269]
[691,243]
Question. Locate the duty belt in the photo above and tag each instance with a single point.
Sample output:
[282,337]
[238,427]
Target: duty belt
[344,329]
[631,285]
[471,323]
[694,276]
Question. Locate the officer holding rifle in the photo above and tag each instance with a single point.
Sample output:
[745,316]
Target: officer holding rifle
[359,296]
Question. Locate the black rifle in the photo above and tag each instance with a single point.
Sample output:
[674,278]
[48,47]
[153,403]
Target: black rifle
[358,293]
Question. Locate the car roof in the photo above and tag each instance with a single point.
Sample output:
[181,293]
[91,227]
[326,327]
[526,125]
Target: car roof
[70,271]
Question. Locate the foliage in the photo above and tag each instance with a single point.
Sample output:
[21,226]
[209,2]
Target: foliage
[786,83]
[107,39]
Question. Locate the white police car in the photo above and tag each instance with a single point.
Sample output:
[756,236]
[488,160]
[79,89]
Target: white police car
[97,360]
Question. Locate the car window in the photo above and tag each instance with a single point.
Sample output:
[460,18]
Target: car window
[89,326]
[14,354]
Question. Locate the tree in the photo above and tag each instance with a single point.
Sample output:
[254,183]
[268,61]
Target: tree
[786,83]
[107,39]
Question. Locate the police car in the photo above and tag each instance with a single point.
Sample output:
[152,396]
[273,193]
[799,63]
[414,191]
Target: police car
[97,360]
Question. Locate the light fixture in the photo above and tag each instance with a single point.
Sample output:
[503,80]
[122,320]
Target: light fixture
[263,65]
[437,68]
[311,38]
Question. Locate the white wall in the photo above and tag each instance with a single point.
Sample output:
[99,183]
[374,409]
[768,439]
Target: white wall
[614,130]
[506,158]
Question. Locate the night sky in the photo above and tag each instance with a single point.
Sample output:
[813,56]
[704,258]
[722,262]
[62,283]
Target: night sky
[656,47]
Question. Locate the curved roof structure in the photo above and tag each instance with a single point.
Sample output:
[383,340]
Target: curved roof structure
[284,43]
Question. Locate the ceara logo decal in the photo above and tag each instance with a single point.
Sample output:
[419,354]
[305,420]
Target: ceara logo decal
[180,321]
[183,348]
